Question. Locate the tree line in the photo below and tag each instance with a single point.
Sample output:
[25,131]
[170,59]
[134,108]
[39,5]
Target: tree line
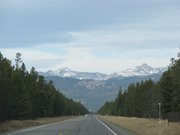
[142,99]
[27,95]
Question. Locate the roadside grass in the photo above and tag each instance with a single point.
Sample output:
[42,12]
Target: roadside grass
[19,124]
[145,126]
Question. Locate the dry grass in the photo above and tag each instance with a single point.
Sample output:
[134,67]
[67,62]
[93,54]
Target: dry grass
[17,124]
[145,126]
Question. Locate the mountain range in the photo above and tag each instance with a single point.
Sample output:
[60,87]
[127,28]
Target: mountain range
[142,70]
[93,89]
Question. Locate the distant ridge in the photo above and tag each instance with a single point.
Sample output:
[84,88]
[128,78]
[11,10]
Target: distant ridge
[142,70]
[97,87]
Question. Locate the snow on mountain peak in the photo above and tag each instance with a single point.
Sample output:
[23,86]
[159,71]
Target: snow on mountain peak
[142,70]
[64,69]
[65,72]
[68,73]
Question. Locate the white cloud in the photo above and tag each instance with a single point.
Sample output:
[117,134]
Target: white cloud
[90,35]
[102,51]
[122,39]
[84,59]
[38,59]
[29,55]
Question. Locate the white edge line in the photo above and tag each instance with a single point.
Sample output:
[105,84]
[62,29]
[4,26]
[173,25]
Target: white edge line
[106,126]
[37,127]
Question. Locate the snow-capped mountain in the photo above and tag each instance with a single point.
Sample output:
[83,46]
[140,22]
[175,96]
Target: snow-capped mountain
[142,70]
[68,73]
[86,87]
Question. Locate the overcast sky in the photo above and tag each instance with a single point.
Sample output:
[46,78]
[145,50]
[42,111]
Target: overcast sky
[90,35]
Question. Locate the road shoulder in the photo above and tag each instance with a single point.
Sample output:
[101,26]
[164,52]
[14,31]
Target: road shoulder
[10,126]
[116,128]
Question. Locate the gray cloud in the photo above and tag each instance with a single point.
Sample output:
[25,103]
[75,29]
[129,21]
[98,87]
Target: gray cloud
[26,23]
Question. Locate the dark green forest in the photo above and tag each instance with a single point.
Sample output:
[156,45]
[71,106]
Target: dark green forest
[142,99]
[27,95]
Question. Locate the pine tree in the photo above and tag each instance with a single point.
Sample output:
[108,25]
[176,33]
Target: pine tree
[26,95]
[18,60]
[6,89]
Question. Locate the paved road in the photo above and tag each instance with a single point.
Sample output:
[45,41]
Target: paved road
[86,125]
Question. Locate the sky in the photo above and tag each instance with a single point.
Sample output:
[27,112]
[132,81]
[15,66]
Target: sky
[90,35]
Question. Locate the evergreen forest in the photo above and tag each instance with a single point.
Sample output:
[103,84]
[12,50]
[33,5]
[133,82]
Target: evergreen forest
[27,95]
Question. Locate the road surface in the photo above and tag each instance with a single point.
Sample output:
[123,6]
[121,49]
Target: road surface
[85,125]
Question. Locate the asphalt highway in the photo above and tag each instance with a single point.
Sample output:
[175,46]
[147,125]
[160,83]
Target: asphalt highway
[85,125]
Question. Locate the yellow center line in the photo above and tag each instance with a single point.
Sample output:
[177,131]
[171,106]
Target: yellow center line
[60,132]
